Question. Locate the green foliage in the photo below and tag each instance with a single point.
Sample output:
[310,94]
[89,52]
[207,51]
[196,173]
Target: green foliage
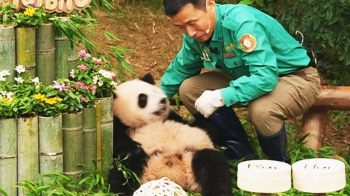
[90,182]
[324,25]
[30,16]
[3,192]
[120,163]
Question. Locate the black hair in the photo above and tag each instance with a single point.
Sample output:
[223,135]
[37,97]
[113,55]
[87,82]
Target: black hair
[172,7]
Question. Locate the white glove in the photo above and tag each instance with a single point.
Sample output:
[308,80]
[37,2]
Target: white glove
[209,102]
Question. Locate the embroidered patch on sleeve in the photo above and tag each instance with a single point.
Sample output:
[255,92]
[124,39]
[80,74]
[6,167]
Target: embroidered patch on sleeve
[247,42]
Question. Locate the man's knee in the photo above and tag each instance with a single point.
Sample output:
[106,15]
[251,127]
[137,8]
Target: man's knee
[185,88]
[266,121]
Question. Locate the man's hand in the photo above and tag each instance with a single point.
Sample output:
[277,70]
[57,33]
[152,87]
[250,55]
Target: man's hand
[209,102]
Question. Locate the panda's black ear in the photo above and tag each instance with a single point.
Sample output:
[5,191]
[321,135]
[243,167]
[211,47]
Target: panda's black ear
[148,78]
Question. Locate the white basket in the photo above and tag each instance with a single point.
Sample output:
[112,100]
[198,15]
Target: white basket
[264,176]
[161,187]
[319,175]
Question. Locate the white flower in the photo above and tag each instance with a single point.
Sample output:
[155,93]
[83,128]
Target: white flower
[100,83]
[2,78]
[36,82]
[10,95]
[19,80]
[71,73]
[114,84]
[4,73]
[95,79]
[106,74]
[20,69]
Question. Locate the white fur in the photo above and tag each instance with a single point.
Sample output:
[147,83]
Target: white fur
[126,107]
[171,146]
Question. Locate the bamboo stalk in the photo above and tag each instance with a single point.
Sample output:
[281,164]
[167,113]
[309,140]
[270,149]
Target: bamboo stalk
[72,58]
[50,144]
[25,50]
[99,134]
[8,155]
[72,144]
[7,51]
[61,54]
[28,150]
[89,132]
[45,53]
[107,134]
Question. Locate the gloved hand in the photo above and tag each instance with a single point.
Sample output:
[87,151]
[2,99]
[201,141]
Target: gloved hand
[209,102]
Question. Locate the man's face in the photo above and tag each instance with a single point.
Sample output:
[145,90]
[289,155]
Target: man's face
[194,22]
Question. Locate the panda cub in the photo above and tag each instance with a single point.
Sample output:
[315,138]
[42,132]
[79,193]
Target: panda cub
[159,143]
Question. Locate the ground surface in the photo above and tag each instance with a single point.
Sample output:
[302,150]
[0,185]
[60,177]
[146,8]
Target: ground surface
[155,41]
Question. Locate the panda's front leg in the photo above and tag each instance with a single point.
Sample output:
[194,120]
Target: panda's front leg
[132,157]
[212,173]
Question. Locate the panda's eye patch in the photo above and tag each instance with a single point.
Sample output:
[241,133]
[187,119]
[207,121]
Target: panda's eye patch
[163,101]
[142,101]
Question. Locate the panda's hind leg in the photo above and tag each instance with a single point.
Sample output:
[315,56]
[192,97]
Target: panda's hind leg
[212,173]
[132,157]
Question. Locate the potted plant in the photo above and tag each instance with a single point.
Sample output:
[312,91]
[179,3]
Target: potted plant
[98,75]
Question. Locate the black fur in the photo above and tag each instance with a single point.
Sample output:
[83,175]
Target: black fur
[210,166]
[124,146]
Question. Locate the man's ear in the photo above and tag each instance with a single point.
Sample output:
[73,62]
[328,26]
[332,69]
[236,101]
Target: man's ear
[210,4]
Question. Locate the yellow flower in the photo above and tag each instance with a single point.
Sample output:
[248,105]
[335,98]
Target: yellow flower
[40,97]
[6,100]
[51,101]
[29,11]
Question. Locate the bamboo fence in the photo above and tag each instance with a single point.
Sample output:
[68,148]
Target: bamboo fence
[42,145]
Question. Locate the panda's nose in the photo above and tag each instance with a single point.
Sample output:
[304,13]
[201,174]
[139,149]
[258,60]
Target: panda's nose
[163,101]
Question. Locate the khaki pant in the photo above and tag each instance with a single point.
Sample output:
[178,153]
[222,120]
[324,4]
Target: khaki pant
[294,94]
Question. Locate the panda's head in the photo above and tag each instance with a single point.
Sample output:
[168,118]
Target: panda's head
[138,102]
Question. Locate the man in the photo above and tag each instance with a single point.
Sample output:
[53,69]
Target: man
[254,62]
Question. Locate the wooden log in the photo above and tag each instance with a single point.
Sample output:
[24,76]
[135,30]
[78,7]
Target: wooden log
[45,53]
[314,123]
[7,51]
[333,98]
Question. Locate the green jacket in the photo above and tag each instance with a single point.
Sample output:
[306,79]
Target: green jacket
[248,44]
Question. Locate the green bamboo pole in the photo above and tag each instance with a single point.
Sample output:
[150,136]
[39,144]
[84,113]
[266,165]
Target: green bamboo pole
[99,134]
[107,134]
[7,51]
[50,145]
[8,155]
[89,132]
[72,144]
[61,54]
[72,58]
[45,53]
[28,150]
[25,50]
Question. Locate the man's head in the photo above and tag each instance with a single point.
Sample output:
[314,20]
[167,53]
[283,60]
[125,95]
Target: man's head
[195,18]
